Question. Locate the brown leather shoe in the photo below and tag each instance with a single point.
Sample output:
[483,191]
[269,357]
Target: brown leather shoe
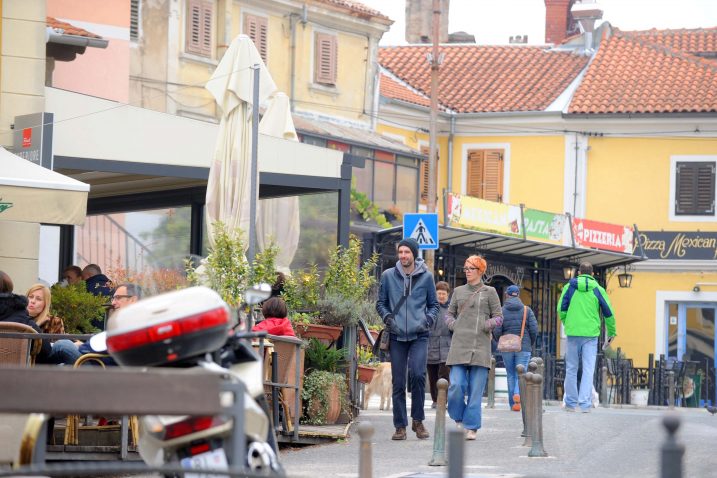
[400,434]
[420,430]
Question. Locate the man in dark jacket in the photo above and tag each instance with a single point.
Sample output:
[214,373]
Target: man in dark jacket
[513,309]
[96,282]
[408,305]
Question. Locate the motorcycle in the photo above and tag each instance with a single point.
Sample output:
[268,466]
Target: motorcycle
[192,329]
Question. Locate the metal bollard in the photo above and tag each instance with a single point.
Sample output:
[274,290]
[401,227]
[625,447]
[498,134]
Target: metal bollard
[456,442]
[439,432]
[491,384]
[671,389]
[671,452]
[520,369]
[535,390]
[527,405]
[365,431]
[603,388]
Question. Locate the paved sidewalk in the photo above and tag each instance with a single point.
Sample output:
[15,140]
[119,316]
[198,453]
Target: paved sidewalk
[606,442]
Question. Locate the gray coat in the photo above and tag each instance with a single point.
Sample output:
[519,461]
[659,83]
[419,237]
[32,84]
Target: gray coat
[439,338]
[471,336]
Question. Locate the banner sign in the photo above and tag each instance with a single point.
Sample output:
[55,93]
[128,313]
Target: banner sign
[601,235]
[678,245]
[32,138]
[473,213]
[545,226]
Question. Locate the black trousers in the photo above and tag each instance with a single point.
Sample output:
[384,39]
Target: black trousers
[436,371]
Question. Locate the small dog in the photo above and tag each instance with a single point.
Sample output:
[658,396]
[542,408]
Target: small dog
[381,384]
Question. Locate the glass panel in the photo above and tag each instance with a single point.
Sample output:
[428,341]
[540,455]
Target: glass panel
[364,152]
[672,330]
[318,230]
[383,185]
[699,343]
[406,193]
[315,141]
[131,241]
[407,161]
[363,178]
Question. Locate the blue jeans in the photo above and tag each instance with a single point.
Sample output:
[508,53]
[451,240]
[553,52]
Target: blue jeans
[466,380]
[585,347]
[64,351]
[512,360]
[408,356]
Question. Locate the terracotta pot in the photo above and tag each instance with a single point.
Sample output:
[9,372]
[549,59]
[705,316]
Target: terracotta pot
[363,341]
[334,402]
[324,333]
[365,373]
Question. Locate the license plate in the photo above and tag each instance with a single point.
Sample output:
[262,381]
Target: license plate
[211,460]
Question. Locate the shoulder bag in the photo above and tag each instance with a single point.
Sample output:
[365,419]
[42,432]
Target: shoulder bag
[512,342]
[385,338]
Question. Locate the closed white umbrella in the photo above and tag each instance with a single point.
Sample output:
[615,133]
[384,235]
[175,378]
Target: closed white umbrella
[278,219]
[229,185]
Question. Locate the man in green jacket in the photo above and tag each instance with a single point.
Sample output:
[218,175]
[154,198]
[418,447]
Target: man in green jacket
[579,309]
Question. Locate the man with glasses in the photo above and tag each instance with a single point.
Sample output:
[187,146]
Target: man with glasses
[408,305]
[125,295]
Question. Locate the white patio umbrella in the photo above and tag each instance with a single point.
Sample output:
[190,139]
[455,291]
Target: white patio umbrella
[231,84]
[278,219]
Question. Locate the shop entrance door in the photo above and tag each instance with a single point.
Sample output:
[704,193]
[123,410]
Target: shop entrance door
[691,334]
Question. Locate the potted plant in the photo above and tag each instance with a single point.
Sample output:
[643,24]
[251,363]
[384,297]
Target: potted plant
[77,307]
[366,312]
[367,364]
[324,391]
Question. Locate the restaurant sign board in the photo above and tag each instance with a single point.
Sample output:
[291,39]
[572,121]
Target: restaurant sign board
[601,235]
[678,245]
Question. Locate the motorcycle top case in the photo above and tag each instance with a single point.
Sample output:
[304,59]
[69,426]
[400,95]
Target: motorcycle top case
[168,328]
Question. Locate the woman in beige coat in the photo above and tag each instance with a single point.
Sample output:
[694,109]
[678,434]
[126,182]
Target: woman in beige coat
[472,315]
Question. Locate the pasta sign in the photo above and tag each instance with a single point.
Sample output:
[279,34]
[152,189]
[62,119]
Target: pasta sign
[601,235]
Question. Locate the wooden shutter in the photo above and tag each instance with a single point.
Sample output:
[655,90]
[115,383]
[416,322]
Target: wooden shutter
[485,174]
[257,29]
[134,20]
[695,193]
[199,27]
[325,59]
[424,177]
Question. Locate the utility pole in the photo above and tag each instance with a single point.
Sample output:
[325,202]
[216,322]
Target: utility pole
[435,61]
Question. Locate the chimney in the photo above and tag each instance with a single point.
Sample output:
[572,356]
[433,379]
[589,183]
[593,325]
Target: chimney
[419,17]
[518,39]
[586,13]
[558,21]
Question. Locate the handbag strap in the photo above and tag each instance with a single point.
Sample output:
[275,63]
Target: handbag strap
[465,304]
[403,297]
[522,327]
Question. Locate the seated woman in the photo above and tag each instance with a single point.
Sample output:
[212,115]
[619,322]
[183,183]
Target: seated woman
[275,320]
[13,308]
[64,351]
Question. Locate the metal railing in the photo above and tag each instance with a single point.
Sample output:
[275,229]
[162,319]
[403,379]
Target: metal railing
[104,241]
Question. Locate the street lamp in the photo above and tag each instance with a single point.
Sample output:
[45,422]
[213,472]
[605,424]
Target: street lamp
[569,272]
[625,278]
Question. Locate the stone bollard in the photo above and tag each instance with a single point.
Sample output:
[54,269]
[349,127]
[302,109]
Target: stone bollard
[520,370]
[535,390]
[603,388]
[672,452]
[671,389]
[491,384]
[541,366]
[365,431]
[439,432]
[527,405]
[456,442]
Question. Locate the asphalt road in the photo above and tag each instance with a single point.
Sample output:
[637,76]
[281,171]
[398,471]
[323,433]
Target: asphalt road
[610,442]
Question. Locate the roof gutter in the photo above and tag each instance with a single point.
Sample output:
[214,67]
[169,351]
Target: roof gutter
[52,36]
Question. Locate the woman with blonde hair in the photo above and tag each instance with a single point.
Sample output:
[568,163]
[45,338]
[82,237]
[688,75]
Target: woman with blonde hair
[39,299]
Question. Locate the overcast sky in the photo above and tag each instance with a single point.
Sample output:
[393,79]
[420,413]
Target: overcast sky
[494,21]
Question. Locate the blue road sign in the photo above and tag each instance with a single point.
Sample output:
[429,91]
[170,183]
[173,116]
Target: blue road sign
[423,228]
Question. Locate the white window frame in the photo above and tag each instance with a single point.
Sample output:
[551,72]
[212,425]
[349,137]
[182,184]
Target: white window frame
[673,187]
[662,300]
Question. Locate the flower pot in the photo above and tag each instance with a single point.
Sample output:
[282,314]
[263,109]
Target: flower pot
[363,341]
[365,373]
[325,333]
[334,405]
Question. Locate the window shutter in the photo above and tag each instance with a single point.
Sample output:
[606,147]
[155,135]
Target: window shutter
[199,27]
[695,189]
[134,20]
[325,59]
[485,174]
[257,29]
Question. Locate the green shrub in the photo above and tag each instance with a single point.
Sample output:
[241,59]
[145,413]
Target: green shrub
[302,290]
[77,307]
[320,356]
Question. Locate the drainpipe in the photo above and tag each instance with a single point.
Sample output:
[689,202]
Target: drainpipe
[575,180]
[292,80]
[449,182]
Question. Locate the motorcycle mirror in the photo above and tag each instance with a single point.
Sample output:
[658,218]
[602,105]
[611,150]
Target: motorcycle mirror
[257,293]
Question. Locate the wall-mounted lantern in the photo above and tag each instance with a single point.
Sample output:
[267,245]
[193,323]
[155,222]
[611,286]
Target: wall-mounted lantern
[624,278]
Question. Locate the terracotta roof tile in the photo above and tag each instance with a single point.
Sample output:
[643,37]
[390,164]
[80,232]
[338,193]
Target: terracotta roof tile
[68,28]
[478,78]
[391,88]
[357,8]
[637,72]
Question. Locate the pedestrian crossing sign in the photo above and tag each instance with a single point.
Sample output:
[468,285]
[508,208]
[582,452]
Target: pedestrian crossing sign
[423,228]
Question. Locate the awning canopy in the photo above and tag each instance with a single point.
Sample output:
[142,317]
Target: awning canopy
[516,246]
[31,193]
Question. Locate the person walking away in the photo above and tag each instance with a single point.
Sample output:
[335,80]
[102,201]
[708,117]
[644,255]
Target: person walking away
[513,310]
[579,308]
[439,341]
[472,315]
[408,305]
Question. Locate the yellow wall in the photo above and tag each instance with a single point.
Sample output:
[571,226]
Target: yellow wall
[629,180]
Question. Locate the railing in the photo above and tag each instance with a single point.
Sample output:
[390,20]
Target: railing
[104,241]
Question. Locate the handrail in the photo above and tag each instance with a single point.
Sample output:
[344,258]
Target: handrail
[367,333]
